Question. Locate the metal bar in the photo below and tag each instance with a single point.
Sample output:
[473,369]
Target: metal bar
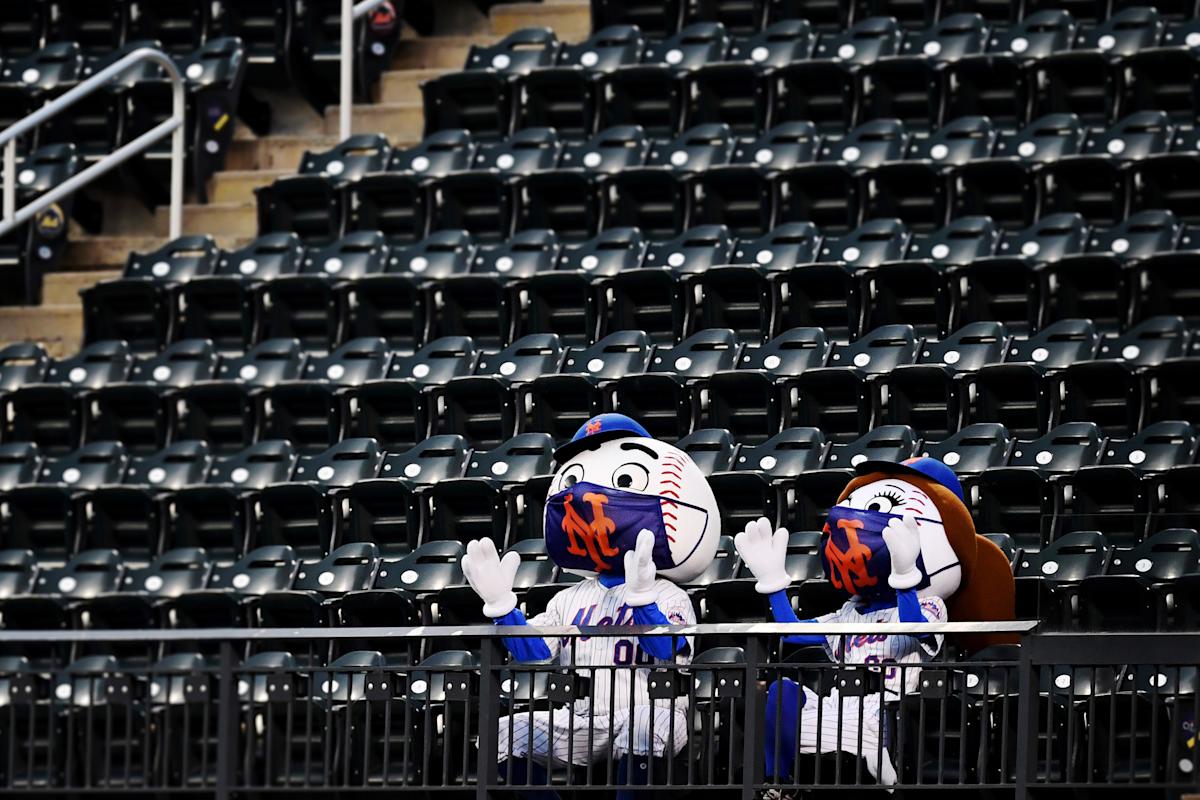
[350,13]
[1027,725]
[173,125]
[422,632]
[226,725]
[751,747]
[489,703]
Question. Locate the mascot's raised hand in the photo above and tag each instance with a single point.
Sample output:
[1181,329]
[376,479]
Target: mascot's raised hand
[491,576]
[640,572]
[903,540]
[765,552]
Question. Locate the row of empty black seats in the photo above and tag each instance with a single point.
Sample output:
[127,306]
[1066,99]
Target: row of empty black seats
[666,18]
[1134,63]
[1120,278]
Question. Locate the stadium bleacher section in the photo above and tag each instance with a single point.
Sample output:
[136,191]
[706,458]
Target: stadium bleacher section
[790,236]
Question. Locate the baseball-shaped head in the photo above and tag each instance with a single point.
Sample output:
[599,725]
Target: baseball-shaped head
[614,481]
[855,555]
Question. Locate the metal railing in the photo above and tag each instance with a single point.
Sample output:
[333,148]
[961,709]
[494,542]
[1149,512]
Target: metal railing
[173,126]
[351,13]
[224,712]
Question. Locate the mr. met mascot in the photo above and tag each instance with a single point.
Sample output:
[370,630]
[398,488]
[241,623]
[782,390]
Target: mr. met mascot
[900,544]
[631,515]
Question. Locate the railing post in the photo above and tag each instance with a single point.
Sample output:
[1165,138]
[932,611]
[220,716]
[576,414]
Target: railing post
[1027,722]
[489,719]
[10,179]
[752,755]
[226,725]
[346,108]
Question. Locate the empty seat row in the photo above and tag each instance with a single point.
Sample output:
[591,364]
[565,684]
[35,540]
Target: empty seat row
[666,18]
[834,80]
[793,276]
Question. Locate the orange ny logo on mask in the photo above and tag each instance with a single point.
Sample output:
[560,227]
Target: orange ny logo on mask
[590,538]
[848,568]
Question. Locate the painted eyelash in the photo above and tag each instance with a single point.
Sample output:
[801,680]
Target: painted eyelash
[896,498]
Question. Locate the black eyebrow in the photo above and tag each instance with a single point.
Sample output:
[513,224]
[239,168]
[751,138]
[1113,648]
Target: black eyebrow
[642,447]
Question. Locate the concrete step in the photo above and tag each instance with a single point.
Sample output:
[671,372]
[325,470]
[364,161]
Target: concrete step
[237,186]
[570,19]
[436,52]
[105,252]
[58,327]
[276,152]
[404,85]
[215,219]
[62,288]
[398,121]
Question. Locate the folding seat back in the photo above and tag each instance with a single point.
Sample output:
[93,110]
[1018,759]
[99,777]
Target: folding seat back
[436,155]
[1108,393]
[833,399]
[355,362]
[653,19]
[1068,559]
[1064,449]
[699,355]
[19,463]
[523,360]
[1037,35]
[1056,346]
[791,452]
[968,348]
[84,576]
[619,353]
[518,53]
[430,568]
[973,449]
[777,45]
[960,242]
[697,44]
[23,28]
[1135,136]
[91,466]
[694,150]
[432,460]
[780,147]
[524,152]
[1124,33]
[266,364]
[1150,342]
[261,571]
[180,364]
[884,443]
[439,255]
[437,362]
[349,568]
[609,151]
[788,354]
[1157,447]
[180,26]
[177,465]
[355,255]
[255,467]
[872,243]
[606,49]
[349,160]
[878,351]
[960,141]
[711,448]
[1164,556]
[95,366]
[269,256]
[521,256]
[1016,395]
[1140,236]
[519,459]
[22,363]
[868,145]
[868,41]
[1046,139]
[343,464]
[55,66]
[180,260]
[16,572]
[953,37]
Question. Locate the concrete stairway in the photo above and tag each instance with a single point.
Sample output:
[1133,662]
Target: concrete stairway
[230,216]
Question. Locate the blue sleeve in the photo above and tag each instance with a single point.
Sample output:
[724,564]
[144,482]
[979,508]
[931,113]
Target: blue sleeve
[909,606]
[781,610]
[523,648]
[657,646]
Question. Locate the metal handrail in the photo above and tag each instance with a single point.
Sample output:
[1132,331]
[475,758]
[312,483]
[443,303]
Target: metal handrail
[501,631]
[174,126]
[351,13]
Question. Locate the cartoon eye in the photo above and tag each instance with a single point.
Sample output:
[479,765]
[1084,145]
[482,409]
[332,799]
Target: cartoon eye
[884,502]
[572,475]
[631,476]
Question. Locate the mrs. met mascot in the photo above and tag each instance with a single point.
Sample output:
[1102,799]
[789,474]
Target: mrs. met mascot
[631,515]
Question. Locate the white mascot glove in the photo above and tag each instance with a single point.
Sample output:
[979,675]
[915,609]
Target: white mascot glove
[640,572]
[765,553]
[491,576]
[903,542]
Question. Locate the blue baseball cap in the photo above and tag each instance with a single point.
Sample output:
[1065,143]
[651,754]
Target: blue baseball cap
[599,429]
[926,467]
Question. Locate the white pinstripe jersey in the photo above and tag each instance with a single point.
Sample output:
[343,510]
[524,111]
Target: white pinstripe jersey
[589,602]
[884,649]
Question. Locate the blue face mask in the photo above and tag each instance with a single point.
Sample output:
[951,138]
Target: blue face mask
[591,527]
[854,554]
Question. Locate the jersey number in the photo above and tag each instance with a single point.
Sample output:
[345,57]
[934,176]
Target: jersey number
[626,652]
